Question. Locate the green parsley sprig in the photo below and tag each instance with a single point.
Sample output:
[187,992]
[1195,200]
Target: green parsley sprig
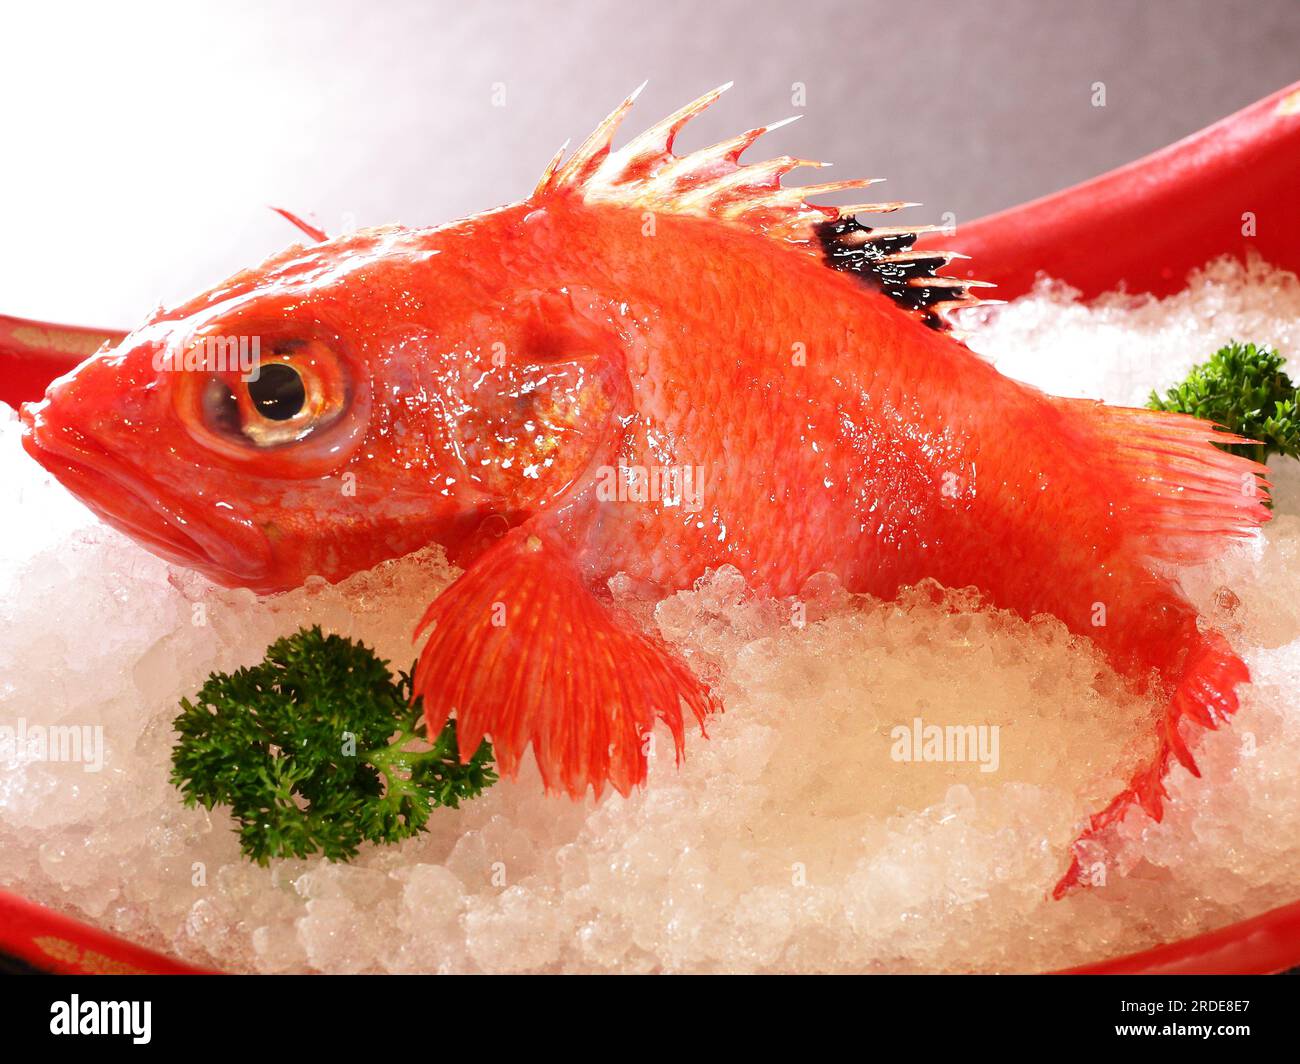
[1243,388]
[318,750]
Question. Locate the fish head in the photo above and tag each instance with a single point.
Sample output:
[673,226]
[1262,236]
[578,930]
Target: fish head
[340,405]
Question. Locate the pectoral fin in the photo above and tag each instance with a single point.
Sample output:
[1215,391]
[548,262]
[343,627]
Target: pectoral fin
[522,653]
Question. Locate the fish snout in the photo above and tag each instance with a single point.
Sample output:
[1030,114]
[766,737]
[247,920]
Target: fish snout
[104,460]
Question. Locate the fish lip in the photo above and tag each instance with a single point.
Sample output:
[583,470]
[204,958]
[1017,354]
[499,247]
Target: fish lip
[142,509]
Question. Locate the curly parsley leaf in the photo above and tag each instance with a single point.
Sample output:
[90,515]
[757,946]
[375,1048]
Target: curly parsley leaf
[318,750]
[1243,388]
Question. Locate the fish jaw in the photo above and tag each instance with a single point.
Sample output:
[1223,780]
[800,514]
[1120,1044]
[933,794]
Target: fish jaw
[231,552]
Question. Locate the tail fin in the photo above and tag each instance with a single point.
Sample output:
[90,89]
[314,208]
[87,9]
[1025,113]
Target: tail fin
[1180,499]
[1204,694]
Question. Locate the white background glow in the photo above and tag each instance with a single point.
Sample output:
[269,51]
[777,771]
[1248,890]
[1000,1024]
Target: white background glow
[141,143]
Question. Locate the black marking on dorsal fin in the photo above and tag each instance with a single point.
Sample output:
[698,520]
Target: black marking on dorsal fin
[884,260]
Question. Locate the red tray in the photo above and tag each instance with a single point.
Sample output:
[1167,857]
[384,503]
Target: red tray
[1147,224]
[1144,225]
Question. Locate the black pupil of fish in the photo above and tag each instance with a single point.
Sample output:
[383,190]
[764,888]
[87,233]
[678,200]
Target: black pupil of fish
[278,392]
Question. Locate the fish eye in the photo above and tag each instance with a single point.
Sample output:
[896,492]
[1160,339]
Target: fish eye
[278,393]
[295,389]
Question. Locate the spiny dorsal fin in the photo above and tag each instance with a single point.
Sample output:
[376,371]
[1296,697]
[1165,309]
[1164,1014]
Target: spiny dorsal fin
[884,259]
[712,182]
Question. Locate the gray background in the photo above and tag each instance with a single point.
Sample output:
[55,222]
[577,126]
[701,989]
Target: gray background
[142,144]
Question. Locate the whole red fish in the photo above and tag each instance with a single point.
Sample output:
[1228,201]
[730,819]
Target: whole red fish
[654,365]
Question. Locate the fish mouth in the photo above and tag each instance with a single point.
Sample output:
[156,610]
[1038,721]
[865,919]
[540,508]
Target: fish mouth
[232,554]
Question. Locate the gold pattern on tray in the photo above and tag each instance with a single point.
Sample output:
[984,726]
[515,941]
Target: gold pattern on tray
[88,961]
[72,343]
